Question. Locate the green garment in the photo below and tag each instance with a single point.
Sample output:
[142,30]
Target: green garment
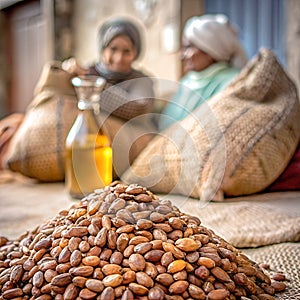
[194,89]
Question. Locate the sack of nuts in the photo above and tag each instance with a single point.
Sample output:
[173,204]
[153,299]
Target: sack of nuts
[123,242]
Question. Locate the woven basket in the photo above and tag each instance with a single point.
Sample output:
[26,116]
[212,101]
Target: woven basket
[37,148]
[236,143]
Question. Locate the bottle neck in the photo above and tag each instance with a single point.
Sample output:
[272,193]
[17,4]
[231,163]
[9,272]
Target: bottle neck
[89,105]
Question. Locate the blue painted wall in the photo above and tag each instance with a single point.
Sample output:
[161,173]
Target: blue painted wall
[261,23]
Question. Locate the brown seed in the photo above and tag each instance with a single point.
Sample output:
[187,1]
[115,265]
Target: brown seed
[142,248]
[143,198]
[157,217]
[151,270]
[134,189]
[187,244]
[122,241]
[125,215]
[176,266]
[159,234]
[165,279]
[93,206]
[84,246]
[84,271]
[156,293]
[163,209]
[138,289]
[137,262]
[110,269]
[119,291]
[16,273]
[175,235]
[64,255]
[278,286]
[278,277]
[112,280]
[127,228]
[43,243]
[128,276]
[248,270]
[157,245]
[141,215]
[128,250]
[112,239]
[178,287]
[127,295]
[202,272]
[116,205]
[79,281]
[181,275]
[154,255]
[143,224]
[94,285]
[76,231]
[50,274]
[240,279]
[101,237]
[97,274]
[12,293]
[138,240]
[196,292]
[87,294]
[71,292]
[50,264]
[213,256]
[220,274]
[219,294]
[91,260]
[75,258]
[207,262]
[174,250]
[38,279]
[166,259]
[144,279]
[62,279]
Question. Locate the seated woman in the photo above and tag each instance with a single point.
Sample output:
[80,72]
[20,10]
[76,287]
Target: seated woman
[128,96]
[212,56]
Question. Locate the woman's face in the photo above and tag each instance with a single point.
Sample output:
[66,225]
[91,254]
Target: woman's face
[119,54]
[193,58]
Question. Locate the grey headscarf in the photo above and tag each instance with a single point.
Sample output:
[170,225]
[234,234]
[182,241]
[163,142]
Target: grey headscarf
[112,28]
[215,35]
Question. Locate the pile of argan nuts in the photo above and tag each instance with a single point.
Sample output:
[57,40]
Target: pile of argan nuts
[123,242]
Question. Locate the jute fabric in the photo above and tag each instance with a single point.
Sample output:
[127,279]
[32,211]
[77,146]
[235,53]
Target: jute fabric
[37,148]
[237,143]
[249,221]
[284,258]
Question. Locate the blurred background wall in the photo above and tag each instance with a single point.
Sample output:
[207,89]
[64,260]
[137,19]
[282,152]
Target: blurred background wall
[35,31]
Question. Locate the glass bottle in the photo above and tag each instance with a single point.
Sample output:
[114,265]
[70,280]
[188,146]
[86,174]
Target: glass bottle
[88,160]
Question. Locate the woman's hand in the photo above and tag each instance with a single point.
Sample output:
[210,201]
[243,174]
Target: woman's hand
[71,66]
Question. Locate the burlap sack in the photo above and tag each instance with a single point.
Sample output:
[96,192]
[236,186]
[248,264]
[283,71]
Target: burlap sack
[37,148]
[236,143]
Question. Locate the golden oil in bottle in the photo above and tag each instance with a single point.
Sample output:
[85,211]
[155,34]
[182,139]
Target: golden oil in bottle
[88,153]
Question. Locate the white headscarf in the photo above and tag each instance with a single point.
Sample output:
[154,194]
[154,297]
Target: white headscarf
[214,35]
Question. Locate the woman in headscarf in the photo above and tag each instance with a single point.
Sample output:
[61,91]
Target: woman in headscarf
[127,100]
[212,56]
[119,43]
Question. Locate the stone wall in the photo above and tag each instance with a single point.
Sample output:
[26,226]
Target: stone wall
[3,67]
[293,40]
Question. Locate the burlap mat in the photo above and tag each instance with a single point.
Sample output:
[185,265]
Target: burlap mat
[252,221]
[283,258]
